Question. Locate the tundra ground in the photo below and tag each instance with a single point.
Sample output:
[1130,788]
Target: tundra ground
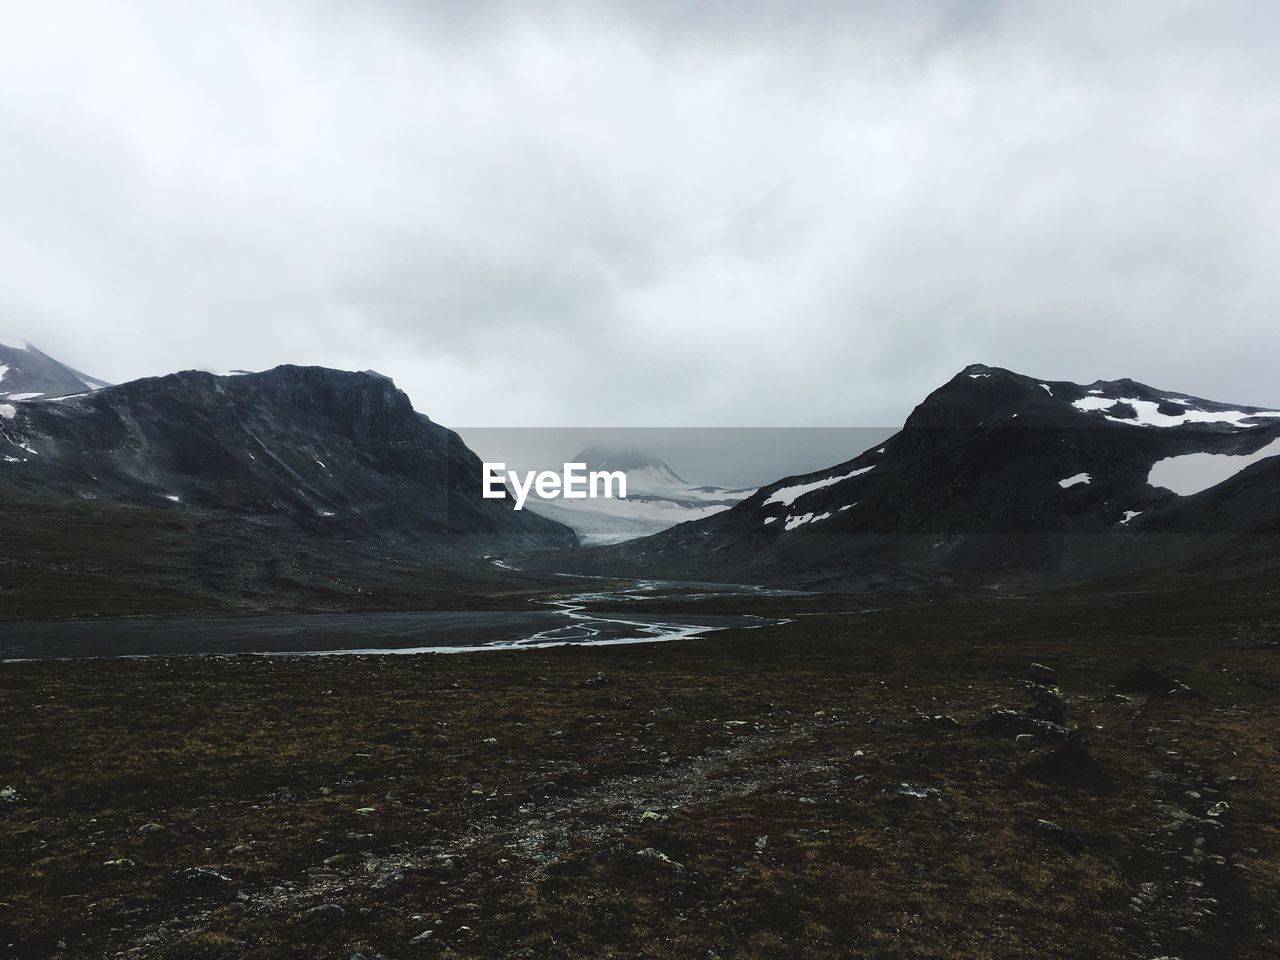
[816,789]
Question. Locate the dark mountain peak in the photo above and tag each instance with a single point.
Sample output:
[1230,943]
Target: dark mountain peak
[977,395]
[325,386]
[979,370]
[359,401]
[352,401]
[980,395]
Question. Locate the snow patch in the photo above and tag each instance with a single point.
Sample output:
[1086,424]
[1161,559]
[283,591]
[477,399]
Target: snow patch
[174,497]
[1191,473]
[8,411]
[1149,414]
[769,520]
[788,495]
[19,397]
[1073,481]
[1047,389]
[1129,515]
[793,522]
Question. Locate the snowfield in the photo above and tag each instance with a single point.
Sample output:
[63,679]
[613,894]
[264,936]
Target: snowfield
[793,522]
[1194,472]
[1149,414]
[789,495]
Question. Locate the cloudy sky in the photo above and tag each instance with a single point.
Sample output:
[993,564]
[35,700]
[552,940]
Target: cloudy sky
[647,214]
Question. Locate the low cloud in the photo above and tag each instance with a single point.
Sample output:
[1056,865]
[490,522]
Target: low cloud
[716,214]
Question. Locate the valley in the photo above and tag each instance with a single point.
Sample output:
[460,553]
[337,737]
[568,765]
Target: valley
[604,614]
[820,788]
[639,481]
[280,680]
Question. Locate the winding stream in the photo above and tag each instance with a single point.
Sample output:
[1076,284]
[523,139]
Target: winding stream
[557,621]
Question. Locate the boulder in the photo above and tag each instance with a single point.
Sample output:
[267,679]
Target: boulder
[1047,703]
[1039,673]
[326,913]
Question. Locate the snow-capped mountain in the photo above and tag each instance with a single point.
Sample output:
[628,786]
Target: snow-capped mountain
[1001,475]
[657,499]
[27,373]
[638,465]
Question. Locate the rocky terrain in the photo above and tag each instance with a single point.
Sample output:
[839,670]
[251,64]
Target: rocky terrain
[944,752]
[1057,776]
[998,477]
[297,486]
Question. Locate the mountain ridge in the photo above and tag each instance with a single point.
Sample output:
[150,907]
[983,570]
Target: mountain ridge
[297,485]
[994,475]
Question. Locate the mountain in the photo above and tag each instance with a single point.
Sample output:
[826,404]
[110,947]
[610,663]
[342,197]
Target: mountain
[636,464]
[282,482]
[999,477]
[27,373]
[657,499]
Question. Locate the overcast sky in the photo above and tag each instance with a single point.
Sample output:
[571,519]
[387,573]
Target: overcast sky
[647,213]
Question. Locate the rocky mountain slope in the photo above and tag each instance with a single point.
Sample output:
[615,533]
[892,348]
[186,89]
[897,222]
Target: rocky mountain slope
[1002,476]
[280,482]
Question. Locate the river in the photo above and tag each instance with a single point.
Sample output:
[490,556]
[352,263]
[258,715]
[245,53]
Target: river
[554,621]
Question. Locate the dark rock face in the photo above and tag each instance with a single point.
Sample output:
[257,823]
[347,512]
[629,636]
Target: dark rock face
[996,476]
[1039,673]
[327,914]
[1012,723]
[1070,840]
[308,446]
[205,877]
[1047,703]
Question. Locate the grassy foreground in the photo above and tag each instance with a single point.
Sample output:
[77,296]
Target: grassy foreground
[813,790]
